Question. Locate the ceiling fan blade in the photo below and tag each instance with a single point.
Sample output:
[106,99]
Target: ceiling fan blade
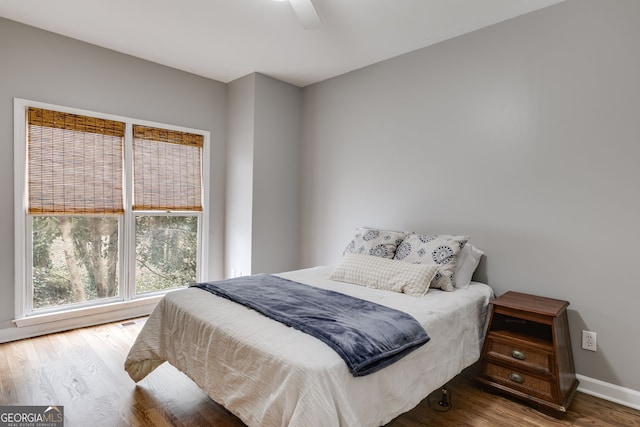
[306,13]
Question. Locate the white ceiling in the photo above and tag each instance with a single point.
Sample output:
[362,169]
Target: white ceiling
[228,39]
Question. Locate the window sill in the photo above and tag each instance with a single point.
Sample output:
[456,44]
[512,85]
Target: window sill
[106,311]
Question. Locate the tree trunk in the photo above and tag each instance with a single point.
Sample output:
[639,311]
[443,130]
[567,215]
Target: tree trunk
[104,255]
[99,279]
[112,258]
[66,226]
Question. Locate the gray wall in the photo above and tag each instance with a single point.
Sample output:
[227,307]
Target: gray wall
[524,135]
[41,66]
[262,201]
[276,201]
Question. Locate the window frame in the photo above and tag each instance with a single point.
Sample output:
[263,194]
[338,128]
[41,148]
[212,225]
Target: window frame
[127,297]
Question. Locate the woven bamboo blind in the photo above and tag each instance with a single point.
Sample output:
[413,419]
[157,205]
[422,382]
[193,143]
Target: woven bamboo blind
[75,164]
[167,169]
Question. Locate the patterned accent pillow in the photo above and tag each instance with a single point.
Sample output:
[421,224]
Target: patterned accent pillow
[370,241]
[385,274]
[440,250]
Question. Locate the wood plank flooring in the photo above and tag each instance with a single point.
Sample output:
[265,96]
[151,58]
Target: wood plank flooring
[83,371]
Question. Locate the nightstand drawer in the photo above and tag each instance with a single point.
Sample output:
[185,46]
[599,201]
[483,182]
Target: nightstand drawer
[521,354]
[519,380]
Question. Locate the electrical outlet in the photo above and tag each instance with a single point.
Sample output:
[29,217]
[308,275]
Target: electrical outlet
[589,340]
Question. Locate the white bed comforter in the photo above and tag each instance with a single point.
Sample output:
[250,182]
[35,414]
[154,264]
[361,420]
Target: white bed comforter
[269,374]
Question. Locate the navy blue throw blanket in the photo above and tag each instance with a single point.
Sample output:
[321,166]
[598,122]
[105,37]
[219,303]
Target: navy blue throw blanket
[366,335]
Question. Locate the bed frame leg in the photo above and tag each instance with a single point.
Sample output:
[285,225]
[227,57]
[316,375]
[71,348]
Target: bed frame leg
[444,399]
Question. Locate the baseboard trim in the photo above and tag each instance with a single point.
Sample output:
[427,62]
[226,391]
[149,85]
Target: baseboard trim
[611,392]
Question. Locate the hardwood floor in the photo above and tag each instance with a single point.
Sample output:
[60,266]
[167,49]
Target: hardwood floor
[83,371]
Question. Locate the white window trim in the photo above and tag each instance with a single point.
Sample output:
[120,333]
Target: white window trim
[130,301]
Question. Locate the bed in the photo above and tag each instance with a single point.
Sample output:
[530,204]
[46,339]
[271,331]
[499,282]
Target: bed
[269,374]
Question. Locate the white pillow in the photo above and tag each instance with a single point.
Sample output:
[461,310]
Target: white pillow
[441,250]
[383,273]
[468,260]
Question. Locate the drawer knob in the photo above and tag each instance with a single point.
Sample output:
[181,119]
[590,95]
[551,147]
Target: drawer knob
[516,378]
[516,354]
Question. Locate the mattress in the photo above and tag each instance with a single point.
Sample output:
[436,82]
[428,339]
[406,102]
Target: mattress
[269,374]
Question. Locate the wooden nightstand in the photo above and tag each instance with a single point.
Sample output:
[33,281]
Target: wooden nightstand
[527,352]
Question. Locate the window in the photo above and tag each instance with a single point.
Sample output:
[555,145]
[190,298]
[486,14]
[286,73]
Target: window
[108,209]
[166,178]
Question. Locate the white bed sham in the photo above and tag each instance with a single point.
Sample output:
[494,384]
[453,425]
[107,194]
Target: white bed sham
[269,374]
